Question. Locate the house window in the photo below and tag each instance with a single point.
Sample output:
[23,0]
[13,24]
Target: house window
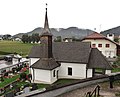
[99,45]
[107,45]
[54,73]
[94,45]
[69,71]
[110,35]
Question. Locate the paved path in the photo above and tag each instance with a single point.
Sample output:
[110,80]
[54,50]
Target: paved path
[104,92]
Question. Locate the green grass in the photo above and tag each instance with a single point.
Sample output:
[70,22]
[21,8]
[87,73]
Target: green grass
[7,47]
[8,81]
[116,70]
[42,86]
[63,81]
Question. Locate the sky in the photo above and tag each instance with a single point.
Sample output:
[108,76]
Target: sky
[21,16]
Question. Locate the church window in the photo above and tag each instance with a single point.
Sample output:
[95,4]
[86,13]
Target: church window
[54,73]
[69,71]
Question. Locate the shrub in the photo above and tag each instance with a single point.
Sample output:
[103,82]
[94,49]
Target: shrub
[23,76]
[34,86]
[6,74]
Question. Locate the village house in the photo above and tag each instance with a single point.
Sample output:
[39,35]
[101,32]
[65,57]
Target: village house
[113,34]
[51,61]
[107,46]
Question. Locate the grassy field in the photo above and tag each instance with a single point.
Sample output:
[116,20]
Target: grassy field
[8,47]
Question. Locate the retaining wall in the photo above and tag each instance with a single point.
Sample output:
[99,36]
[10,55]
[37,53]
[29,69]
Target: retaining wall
[52,92]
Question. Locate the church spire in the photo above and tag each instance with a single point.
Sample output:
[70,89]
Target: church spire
[46,30]
[46,39]
[46,24]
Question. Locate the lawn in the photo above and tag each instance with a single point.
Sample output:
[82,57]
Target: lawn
[8,47]
[8,80]
[115,70]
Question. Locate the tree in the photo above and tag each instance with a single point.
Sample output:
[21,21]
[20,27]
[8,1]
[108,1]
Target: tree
[6,37]
[25,38]
[116,40]
[58,39]
[29,39]
[23,76]
[35,38]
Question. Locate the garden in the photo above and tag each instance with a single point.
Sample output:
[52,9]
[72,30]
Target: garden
[16,80]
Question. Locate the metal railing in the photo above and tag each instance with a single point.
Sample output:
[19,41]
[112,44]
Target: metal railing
[94,93]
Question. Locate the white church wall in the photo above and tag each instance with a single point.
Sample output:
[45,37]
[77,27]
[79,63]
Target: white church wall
[107,71]
[33,60]
[78,70]
[54,78]
[42,76]
[89,73]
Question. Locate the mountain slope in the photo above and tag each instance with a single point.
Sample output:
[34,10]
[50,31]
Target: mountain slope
[69,32]
[115,31]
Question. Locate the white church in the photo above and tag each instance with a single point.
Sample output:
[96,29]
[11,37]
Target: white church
[51,61]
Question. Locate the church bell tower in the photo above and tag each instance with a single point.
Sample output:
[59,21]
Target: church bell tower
[46,38]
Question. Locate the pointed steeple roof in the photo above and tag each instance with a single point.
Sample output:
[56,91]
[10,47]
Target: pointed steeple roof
[46,30]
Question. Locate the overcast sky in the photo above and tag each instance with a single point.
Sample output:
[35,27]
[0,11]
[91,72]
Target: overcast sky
[21,16]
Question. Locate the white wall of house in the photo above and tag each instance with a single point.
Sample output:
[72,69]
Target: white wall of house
[107,71]
[41,76]
[89,72]
[54,78]
[78,70]
[31,62]
[44,76]
[111,36]
[108,52]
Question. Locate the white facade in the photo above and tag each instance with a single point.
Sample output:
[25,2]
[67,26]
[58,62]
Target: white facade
[89,72]
[44,76]
[33,60]
[107,71]
[110,36]
[78,70]
[66,70]
[109,52]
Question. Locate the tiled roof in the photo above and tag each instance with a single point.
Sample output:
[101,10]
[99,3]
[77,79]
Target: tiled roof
[96,35]
[65,51]
[46,63]
[97,60]
[71,52]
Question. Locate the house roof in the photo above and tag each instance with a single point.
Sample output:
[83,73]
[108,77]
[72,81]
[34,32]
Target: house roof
[65,51]
[46,63]
[97,60]
[96,35]
[70,52]
[115,31]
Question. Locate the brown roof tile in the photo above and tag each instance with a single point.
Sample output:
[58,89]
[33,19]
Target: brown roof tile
[46,63]
[97,60]
[71,52]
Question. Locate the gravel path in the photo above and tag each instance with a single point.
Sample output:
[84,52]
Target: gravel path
[104,92]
